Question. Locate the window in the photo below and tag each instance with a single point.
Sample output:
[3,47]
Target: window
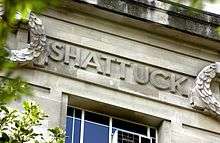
[88,127]
[125,137]
[129,126]
[96,128]
[73,122]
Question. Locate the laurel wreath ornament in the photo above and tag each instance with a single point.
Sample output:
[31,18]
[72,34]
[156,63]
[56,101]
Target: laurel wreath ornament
[37,43]
[201,96]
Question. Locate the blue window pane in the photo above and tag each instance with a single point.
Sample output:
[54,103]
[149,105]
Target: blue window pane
[72,135]
[69,126]
[77,127]
[94,133]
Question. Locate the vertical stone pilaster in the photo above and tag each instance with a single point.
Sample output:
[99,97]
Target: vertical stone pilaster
[63,111]
[55,98]
[165,132]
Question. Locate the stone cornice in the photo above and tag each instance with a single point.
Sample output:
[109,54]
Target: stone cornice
[165,13]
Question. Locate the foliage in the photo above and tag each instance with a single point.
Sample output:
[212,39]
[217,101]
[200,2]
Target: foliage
[17,127]
[199,3]
[11,89]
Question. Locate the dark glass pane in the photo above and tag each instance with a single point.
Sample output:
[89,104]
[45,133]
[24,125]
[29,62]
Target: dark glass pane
[94,133]
[97,118]
[153,140]
[78,113]
[113,130]
[145,140]
[129,126]
[69,127]
[77,127]
[70,111]
[152,132]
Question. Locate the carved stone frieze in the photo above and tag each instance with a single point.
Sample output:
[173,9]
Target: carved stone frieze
[68,58]
[201,96]
[37,43]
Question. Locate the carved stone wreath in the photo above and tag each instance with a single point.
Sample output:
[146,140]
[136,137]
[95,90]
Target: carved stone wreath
[201,96]
[37,43]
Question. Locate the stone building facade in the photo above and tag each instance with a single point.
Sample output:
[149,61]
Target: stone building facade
[127,71]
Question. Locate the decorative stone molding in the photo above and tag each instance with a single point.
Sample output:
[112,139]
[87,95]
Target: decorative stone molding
[37,43]
[164,12]
[201,96]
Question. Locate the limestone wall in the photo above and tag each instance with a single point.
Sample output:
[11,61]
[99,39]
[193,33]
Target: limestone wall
[109,67]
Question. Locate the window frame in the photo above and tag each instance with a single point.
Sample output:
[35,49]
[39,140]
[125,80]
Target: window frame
[110,125]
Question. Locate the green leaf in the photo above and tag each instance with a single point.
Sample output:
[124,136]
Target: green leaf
[11,89]
[21,126]
[218,30]
[4,108]
[4,138]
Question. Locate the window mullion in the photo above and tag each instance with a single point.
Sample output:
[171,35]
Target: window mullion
[148,132]
[73,127]
[139,139]
[82,126]
[110,129]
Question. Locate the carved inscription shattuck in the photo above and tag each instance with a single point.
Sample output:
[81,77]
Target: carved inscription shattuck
[79,58]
